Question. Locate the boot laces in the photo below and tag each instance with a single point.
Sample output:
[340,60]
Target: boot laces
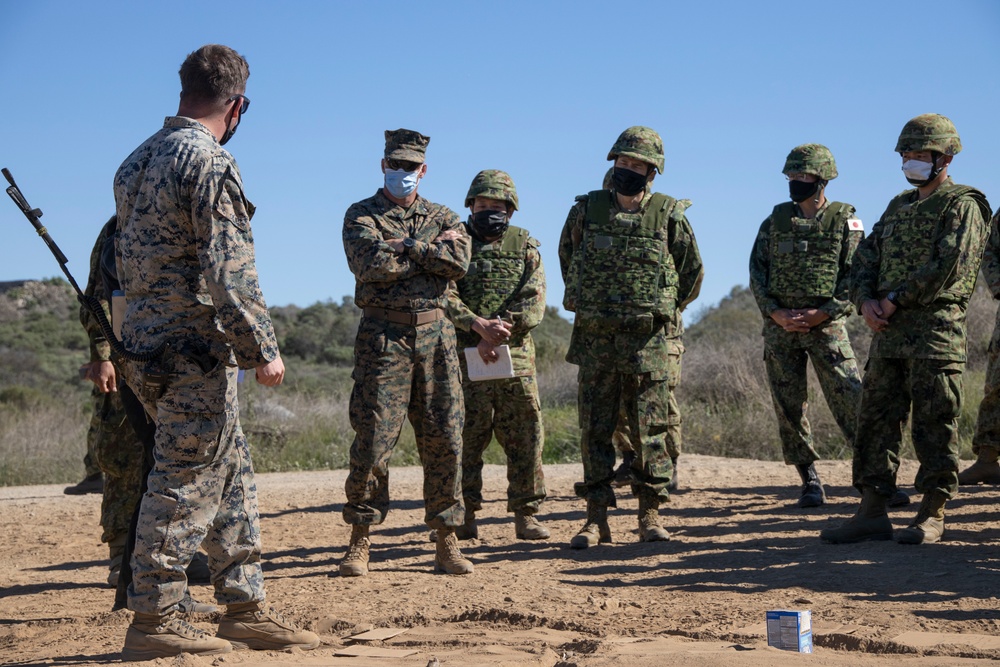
[182,628]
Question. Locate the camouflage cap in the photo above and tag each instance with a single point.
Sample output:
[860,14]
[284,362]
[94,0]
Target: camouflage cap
[929,132]
[492,184]
[405,145]
[815,159]
[641,143]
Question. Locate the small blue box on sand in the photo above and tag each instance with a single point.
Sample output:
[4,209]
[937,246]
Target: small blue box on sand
[790,630]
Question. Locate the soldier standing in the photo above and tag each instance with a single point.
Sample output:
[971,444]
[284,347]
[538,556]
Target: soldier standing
[986,441]
[185,260]
[629,261]
[499,301]
[911,280]
[404,252]
[800,269]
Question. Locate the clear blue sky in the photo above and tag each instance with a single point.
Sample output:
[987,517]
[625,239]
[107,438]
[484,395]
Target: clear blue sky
[539,89]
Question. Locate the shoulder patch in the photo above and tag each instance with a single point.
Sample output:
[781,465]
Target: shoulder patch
[855,224]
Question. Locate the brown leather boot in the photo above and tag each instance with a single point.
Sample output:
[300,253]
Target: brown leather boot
[259,627]
[986,469]
[355,563]
[152,636]
[928,525]
[871,522]
[448,557]
[596,530]
[527,527]
[650,529]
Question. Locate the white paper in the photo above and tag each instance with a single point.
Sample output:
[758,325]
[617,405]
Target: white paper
[503,367]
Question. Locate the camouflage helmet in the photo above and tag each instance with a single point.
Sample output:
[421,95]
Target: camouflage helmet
[641,143]
[929,132]
[815,159]
[492,184]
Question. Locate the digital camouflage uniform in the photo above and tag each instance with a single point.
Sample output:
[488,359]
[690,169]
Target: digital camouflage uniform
[806,263]
[402,370]
[116,447]
[186,263]
[506,279]
[625,277]
[986,441]
[927,254]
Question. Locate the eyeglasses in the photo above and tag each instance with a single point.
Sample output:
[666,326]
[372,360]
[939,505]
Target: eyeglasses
[244,106]
[405,165]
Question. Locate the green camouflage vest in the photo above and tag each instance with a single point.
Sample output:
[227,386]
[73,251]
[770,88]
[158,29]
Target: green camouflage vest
[494,276]
[805,254]
[622,274]
[909,234]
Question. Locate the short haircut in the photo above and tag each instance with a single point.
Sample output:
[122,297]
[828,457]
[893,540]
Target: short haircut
[213,74]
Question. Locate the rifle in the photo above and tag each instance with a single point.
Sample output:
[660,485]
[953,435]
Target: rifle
[91,303]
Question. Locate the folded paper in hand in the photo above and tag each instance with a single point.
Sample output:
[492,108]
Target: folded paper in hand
[480,370]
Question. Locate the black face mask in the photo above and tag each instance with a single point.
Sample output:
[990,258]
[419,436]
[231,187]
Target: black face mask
[800,191]
[627,182]
[488,225]
[230,132]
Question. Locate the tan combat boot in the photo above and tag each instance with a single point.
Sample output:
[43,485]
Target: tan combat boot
[596,530]
[259,627]
[871,522]
[448,558]
[986,469]
[152,636]
[650,529]
[355,563]
[469,529]
[527,527]
[928,525]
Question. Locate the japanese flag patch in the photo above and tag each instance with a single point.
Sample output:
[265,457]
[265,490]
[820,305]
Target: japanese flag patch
[855,225]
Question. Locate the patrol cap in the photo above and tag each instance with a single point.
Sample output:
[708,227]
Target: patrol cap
[406,145]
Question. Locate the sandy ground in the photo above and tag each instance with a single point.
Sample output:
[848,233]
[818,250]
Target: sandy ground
[740,547]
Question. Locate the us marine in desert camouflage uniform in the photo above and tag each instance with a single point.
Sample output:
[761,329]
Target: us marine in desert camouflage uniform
[186,264]
[404,252]
[498,302]
[911,280]
[629,260]
[800,269]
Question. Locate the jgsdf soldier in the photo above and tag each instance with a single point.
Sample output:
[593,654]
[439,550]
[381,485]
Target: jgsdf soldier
[800,269]
[629,261]
[116,447]
[499,301]
[986,441]
[622,436]
[185,260]
[404,252]
[912,279]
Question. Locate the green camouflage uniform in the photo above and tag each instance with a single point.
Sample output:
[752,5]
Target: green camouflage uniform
[186,263]
[505,279]
[988,422]
[675,353]
[401,370]
[807,266]
[928,252]
[116,448]
[624,360]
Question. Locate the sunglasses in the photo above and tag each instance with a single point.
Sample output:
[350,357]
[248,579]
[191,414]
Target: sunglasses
[405,165]
[244,106]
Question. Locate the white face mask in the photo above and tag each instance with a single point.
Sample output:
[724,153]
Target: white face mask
[917,171]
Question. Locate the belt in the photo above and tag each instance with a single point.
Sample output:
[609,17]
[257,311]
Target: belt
[404,317]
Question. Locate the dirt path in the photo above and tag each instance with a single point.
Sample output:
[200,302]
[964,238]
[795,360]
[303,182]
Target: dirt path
[739,548]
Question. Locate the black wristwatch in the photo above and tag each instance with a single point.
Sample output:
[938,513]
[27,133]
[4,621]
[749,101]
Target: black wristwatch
[893,298]
[408,243]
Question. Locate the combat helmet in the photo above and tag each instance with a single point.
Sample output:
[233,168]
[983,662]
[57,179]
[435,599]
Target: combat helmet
[641,143]
[929,132]
[815,159]
[492,184]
